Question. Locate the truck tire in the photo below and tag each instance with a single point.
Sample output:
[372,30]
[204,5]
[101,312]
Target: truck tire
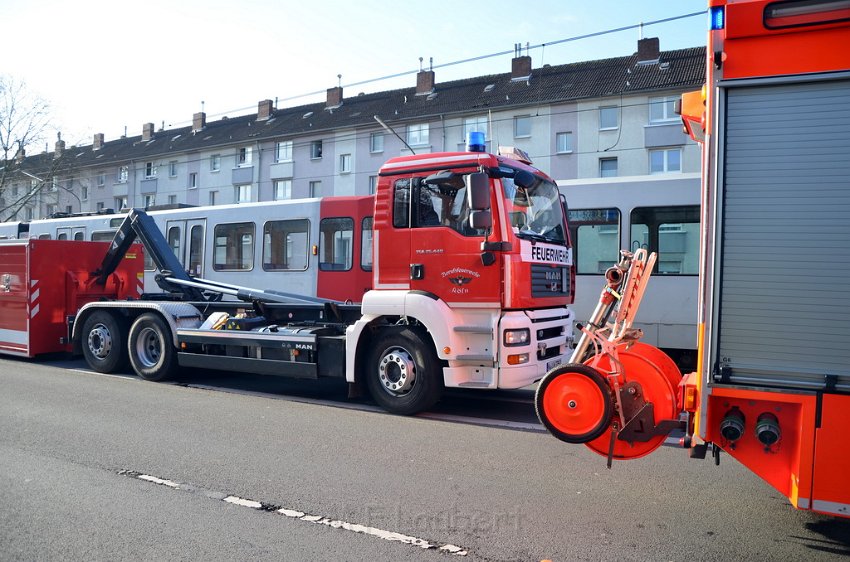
[574,403]
[151,354]
[104,340]
[403,372]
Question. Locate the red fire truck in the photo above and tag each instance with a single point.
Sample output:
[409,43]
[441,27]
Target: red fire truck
[772,386]
[471,278]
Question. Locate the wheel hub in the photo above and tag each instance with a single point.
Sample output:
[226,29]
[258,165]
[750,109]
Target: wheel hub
[100,341]
[148,348]
[397,371]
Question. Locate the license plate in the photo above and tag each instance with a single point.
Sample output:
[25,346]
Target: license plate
[552,364]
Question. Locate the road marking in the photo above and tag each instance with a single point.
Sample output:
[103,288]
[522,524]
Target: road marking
[383,534]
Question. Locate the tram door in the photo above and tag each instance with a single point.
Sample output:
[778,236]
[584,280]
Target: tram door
[186,239]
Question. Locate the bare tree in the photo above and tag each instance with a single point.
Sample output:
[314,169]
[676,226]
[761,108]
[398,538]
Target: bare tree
[24,120]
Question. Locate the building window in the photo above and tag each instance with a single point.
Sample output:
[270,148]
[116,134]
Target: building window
[665,160]
[376,142]
[417,135]
[54,183]
[215,162]
[123,173]
[283,151]
[28,213]
[373,184]
[120,203]
[100,205]
[522,126]
[172,199]
[475,124]
[172,169]
[344,163]
[564,142]
[150,170]
[193,180]
[213,197]
[609,117]
[150,201]
[662,109]
[282,190]
[607,167]
[243,156]
[316,149]
[84,194]
[51,209]
[101,180]
[242,193]
[315,189]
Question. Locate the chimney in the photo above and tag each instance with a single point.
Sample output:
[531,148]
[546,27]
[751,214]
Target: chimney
[60,146]
[264,110]
[19,157]
[520,67]
[97,143]
[424,82]
[199,121]
[334,97]
[648,49]
[147,131]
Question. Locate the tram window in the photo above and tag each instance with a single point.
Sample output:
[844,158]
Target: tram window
[78,235]
[174,240]
[366,244]
[234,247]
[196,249]
[596,239]
[286,245]
[103,236]
[672,232]
[44,237]
[62,236]
[335,244]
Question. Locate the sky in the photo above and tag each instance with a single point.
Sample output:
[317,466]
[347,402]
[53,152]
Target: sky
[103,65]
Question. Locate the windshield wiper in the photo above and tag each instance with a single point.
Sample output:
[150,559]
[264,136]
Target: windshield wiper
[531,235]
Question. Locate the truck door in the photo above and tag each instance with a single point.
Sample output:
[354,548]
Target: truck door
[186,239]
[445,252]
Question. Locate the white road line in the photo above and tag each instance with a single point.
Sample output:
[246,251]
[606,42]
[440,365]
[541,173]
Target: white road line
[383,534]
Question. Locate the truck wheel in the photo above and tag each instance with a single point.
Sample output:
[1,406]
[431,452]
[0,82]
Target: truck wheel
[104,337]
[151,353]
[574,403]
[403,373]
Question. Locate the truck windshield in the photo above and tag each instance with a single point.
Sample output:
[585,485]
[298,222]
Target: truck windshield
[535,212]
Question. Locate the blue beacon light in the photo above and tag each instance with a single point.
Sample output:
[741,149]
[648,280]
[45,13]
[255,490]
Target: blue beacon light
[475,142]
[717,18]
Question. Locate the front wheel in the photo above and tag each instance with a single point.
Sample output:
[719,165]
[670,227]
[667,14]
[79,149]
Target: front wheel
[103,342]
[403,373]
[574,403]
[152,355]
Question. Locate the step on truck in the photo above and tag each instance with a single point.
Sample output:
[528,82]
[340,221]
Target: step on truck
[471,281]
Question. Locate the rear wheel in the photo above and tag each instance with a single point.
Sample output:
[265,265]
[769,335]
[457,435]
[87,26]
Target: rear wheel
[104,342]
[403,373]
[152,355]
[574,402]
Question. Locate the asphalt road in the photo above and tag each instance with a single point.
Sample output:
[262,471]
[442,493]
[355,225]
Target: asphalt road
[96,467]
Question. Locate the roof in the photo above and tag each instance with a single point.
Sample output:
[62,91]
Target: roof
[674,70]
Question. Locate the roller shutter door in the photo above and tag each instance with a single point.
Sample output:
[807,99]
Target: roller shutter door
[784,307]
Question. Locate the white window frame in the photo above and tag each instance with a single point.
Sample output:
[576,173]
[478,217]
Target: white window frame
[120,203]
[567,143]
[665,160]
[243,156]
[172,199]
[172,169]
[84,192]
[602,171]
[666,105]
[418,134]
[101,180]
[282,190]
[316,149]
[150,170]
[608,111]
[373,184]
[123,174]
[314,188]
[215,163]
[242,193]
[283,151]
[345,163]
[150,200]
[193,180]
[376,142]
[213,196]
[521,122]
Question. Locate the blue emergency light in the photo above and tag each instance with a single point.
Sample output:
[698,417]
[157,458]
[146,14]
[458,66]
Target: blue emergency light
[475,142]
[716,18]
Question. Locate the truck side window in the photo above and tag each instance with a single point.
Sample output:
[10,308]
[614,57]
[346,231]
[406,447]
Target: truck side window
[366,244]
[401,203]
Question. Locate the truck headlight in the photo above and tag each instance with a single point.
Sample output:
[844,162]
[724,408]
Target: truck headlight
[517,337]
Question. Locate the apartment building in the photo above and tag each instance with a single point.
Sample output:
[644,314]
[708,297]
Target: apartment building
[603,118]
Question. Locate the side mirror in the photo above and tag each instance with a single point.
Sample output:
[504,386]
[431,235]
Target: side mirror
[481,220]
[479,192]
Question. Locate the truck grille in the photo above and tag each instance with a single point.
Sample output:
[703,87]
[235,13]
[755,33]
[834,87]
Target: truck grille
[549,281]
